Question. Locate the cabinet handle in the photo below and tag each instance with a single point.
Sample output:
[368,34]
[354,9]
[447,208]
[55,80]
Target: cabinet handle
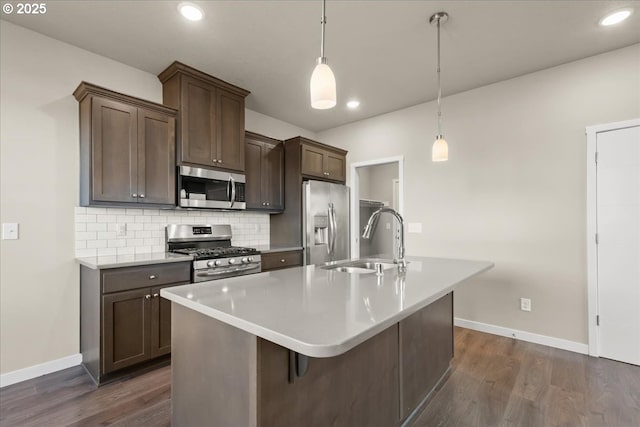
[282,260]
[156,295]
[219,161]
[134,195]
[142,196]
[214,160]
[147,296]
[152,277]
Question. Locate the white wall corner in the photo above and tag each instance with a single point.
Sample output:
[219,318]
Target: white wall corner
[560,343]
[38,370]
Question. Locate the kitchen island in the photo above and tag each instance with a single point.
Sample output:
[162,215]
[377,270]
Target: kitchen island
[312,346]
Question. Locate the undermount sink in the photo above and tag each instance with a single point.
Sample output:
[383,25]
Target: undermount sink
[360,266]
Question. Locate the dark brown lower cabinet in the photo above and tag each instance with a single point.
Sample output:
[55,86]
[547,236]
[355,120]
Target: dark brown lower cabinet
[125,325]
[278,260]
[252,381]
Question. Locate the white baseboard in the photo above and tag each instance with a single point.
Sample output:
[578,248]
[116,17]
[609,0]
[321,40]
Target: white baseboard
[560,343]
[39,370]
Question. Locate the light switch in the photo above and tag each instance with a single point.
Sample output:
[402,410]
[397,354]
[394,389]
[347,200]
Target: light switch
[9,231]
[415,227]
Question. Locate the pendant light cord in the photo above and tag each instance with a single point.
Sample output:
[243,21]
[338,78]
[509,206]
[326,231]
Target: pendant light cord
[322,22]
[439,86]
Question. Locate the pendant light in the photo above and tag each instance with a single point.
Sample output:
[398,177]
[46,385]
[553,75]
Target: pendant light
[323,83]
[440,149]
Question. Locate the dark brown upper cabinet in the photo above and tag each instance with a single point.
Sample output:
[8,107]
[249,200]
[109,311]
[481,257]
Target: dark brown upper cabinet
[321,161]
[211,111]
[264,161]
[127,149]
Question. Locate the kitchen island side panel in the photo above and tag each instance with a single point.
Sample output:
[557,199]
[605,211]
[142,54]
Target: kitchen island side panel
[213,372]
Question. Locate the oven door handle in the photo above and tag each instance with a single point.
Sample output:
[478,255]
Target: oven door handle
[228,270]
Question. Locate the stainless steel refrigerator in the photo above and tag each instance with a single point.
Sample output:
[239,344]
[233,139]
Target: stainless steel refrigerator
[325,222]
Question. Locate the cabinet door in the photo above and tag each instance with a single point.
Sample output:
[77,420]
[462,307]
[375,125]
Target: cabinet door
[230,130]
[272,182]
[334,165]
[160,323]
[125,329]
[156,158]
[312,161]
[114,151]
[199,126]
[253,174]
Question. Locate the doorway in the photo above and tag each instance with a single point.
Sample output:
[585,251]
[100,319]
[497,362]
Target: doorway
[613,227]
[374,184]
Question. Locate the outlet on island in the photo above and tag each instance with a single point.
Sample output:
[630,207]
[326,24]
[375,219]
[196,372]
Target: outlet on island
[525,304]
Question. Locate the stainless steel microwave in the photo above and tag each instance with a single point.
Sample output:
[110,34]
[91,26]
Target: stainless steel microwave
[212,189]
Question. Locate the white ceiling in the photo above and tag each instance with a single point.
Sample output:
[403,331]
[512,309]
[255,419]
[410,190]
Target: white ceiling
[382,52]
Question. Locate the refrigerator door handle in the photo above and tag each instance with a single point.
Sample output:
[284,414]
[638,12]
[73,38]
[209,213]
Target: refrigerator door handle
[332,229]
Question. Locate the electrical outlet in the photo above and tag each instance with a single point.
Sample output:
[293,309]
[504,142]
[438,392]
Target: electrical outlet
[121,230]
[525,304]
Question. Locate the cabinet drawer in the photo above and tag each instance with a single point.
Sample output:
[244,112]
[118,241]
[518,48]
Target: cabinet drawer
[276,260]
[122,279]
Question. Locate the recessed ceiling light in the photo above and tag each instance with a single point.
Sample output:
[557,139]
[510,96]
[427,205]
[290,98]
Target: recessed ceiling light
[190,11]
[615,17]
[353,104]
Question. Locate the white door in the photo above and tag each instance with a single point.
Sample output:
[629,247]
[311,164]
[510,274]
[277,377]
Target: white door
[618,248]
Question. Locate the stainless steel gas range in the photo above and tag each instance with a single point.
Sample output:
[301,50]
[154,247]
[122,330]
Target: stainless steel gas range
[213,255]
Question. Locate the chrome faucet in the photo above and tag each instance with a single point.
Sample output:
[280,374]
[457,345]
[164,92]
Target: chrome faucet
[368,229]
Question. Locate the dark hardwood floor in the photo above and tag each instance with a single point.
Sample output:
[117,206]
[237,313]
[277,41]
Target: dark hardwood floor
[495,381]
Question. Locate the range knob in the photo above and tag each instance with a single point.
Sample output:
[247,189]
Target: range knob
[250,259]
[245,260]
[232,261]
[210,264]
[215,263]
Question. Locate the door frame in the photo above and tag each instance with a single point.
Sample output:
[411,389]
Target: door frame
[592,226]
[354,183]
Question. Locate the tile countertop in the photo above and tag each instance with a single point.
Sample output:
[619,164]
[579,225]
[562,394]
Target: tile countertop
[324,313]
[116,261]
[267,249]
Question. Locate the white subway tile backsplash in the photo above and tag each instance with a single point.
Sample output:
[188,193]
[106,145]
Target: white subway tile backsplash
[142,234]
[85,235]
[106,234]
[106,251]
[125,251]
[96,243]
[152,241]
[145,228]
[86,252]
[134,226]
[106,218]
[96,226]
[117,243]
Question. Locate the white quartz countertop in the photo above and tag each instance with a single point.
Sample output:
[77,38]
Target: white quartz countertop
[324,313]
[116,261]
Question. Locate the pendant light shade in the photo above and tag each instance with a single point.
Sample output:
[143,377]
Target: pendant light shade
[440,149]
[322,86]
